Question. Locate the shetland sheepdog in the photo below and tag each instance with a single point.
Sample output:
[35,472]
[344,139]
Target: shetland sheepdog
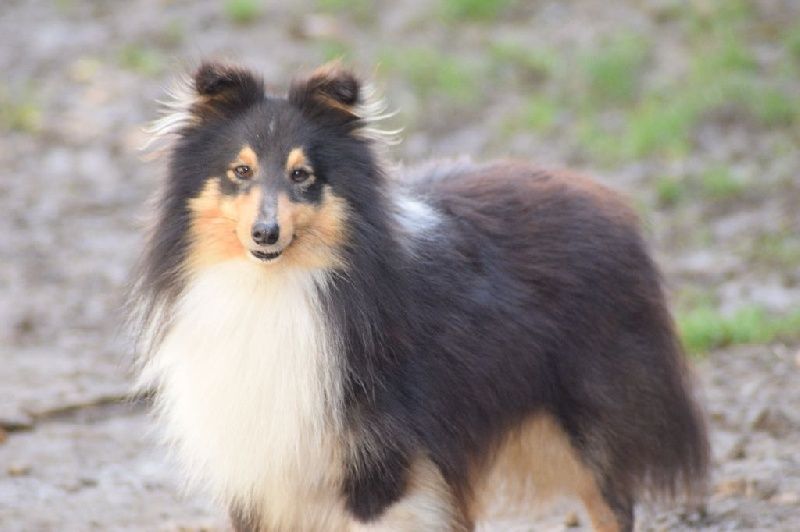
[336,344]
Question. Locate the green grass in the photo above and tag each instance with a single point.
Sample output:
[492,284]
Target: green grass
[242,11]
[660,124]
[764,100]
[657,121]
[723,55]
[726,67]
[619,113]
[83,69]
[539,113]
[715,16]
[142,59]
[476,10]
[792,42]
[704,328]
[64,6]
[342,6]
[780,250]
[19,113]
[433,74]
[530,64]
[661,121]
[332,49]
[613,71]
[619,118]
[719,183]
[656,125]
[774,107]
[361,10]
[172,35]
[669,191]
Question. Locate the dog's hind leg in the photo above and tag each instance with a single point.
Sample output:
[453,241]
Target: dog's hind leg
[428,504]
[608,512]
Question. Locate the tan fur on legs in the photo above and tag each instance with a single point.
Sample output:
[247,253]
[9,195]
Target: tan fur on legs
[428,504]
[601,515]
[537,462]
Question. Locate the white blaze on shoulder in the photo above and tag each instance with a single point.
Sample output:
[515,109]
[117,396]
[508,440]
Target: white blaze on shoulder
[248,387]
[417,218]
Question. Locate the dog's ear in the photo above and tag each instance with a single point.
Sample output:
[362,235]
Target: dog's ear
[223,89]
[331,92]
[215,91]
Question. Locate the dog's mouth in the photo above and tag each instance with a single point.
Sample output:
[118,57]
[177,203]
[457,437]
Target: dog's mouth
[266,256]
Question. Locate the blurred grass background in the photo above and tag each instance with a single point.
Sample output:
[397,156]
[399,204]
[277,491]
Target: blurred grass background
[691,107]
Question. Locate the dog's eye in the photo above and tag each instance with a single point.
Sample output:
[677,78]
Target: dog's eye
[299,175]
[243,171]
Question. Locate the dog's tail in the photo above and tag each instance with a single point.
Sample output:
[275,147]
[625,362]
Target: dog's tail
[649,439]
[679,467]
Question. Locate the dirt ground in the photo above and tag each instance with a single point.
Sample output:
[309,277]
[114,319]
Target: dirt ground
[80,79]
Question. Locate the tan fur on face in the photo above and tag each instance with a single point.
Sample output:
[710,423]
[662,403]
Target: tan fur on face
[221,228]
[246,157]
[220,224]
[296,159]
[319,230]
[538,462]
[213,228]
[246,207]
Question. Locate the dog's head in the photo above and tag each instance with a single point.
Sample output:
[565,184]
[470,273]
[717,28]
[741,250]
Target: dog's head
[267,178]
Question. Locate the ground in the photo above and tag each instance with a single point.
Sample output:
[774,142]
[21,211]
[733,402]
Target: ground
[689,108]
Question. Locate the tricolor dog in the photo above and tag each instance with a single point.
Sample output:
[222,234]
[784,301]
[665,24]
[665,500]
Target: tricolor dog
[337,344]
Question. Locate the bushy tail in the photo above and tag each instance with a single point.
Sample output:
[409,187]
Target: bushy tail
[665,453]
[681,468]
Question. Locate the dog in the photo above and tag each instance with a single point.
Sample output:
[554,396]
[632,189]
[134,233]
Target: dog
[336,344]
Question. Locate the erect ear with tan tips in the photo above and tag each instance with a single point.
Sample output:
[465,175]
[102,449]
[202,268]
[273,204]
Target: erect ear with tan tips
[330,91]
[216,90]
[225,89]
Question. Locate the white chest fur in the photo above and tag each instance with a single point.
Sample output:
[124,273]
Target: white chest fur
[248,388]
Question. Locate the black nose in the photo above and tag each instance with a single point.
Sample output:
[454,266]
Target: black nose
[265,232]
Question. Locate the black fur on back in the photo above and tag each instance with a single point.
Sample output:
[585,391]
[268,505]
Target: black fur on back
[536,293]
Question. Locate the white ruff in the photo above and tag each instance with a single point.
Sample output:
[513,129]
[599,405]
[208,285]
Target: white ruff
[248,390]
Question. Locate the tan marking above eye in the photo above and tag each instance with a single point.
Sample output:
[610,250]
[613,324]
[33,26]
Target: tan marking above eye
[244,166]
[296,159]
[248,156]
[298,168]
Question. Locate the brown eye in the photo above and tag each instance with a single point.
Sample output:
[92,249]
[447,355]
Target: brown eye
[300,174]
[243,171]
